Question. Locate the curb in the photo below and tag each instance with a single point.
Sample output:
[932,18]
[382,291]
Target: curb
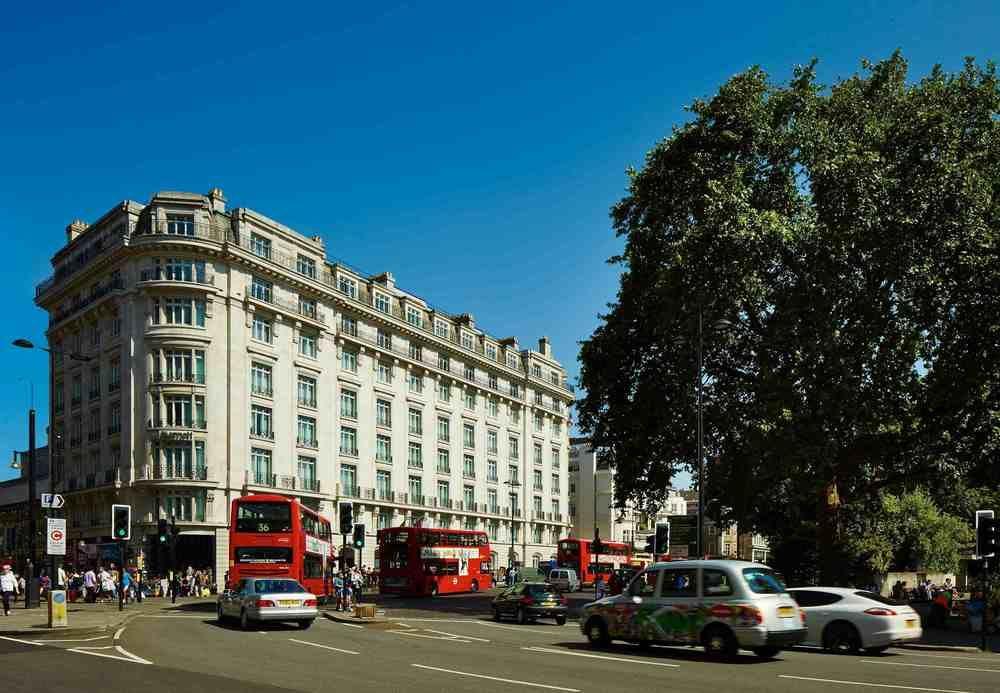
[46,631]
[351,621]
[941,648]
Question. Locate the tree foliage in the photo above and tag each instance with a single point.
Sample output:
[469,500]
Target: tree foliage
[849,235]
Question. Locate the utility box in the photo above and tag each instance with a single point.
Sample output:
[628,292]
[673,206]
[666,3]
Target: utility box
[57,609]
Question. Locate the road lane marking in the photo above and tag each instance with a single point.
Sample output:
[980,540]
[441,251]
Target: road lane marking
[118,633]
[914,654]
[325,647]
[497,678]
[519,629]
[127,656]
[438,620]
[929,666]
[596,656]
[341,623]
[47,640]
[869,683]
[26,642]
[453,635]
[429,637]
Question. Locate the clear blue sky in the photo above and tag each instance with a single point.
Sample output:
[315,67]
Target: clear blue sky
[473,151]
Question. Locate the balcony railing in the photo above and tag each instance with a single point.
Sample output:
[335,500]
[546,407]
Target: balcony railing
[307,442]
[96,294]
[153,274]
[155,229]
[197,425]
[159,377]
[164,472]
[262,435]
[309,484]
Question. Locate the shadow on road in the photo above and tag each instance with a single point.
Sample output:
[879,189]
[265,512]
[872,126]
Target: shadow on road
[662,652]
[207,606]
[268,626]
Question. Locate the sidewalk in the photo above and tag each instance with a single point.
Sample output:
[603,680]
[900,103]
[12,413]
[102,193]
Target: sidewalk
[83,618]
[955,636]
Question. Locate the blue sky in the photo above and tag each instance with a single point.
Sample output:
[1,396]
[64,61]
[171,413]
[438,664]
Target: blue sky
[473,151]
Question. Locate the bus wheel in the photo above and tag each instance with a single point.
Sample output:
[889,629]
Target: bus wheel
[475,585]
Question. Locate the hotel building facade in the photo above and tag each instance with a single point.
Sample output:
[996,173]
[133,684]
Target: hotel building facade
[200,354]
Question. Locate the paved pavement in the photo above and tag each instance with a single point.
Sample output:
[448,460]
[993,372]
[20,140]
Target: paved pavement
[82,618]
[443,646]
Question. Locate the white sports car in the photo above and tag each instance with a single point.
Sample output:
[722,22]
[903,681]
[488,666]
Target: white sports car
[848,620]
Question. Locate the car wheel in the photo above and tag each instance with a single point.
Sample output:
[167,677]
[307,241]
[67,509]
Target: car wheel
[496,614]
[766,652]
[475,585]
[719,642]
[876,650]
[597,633]
[560,620]
[244,620]
[841,638]
[522,616]
[305,623]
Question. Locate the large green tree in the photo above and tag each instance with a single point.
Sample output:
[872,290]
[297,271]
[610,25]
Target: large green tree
[848,235]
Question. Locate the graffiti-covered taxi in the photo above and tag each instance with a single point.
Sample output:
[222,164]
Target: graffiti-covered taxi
[722,605]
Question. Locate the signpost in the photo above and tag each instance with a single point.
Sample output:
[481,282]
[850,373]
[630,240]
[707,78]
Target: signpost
[53,500]
[55,538]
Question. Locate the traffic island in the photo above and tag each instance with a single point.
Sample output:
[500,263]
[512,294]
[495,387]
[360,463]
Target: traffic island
[361,614]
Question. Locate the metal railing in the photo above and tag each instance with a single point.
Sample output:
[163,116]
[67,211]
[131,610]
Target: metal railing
[159,230]
[163,472]
[151,274]
[96,294]
[197,425]
[166,378]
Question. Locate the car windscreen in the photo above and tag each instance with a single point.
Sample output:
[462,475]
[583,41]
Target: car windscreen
[763,581]
[538,590]
[267,518]
[277,587]
[879,598]
[263,554]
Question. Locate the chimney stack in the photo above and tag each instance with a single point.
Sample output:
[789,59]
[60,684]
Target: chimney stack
[75,229]
[216,200]
[544,348]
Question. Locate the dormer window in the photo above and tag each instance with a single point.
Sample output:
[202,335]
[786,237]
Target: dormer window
[382,303]
[414,317]
[491,352]
[441,328]
[467,340]
[347,286]
[512,361]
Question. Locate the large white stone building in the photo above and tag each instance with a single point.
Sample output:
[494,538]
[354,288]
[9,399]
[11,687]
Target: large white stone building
[227,355]
[592,495]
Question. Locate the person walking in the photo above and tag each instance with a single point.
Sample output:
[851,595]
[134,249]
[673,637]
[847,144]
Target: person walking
[8,588]
[164,586]
[89,586]
[338,590]
[600,586]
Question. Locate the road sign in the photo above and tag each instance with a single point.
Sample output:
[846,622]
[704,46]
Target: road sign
[53,500]
[55,537]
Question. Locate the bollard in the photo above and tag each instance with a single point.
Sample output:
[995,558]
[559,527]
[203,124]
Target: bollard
[57,609]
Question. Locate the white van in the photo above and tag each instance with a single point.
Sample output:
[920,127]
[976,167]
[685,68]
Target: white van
[564,579]
[720,604]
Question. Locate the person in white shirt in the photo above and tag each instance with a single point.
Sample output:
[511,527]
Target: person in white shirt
[8,588]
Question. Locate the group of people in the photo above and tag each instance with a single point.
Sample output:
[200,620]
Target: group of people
[348,584]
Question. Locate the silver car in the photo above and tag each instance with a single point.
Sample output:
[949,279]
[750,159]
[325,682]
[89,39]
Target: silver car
[268,599]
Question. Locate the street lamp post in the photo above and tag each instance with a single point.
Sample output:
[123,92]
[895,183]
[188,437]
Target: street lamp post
[31,593]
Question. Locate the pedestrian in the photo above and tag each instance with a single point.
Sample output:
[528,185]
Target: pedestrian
[338,590]
[61,578]
[126,585]
[348,592]
[8,588]
[599,586]
[89,586]
[21,587]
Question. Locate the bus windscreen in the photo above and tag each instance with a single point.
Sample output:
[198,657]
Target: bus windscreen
[264,518]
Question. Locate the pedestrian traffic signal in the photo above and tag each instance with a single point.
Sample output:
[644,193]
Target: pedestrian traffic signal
[359,536]
[651,544]
[121,522]
[162,531]
[987,536]
[346,518]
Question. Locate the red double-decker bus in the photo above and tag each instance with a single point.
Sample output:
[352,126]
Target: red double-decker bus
[575,553]
[422,561]
[275,535]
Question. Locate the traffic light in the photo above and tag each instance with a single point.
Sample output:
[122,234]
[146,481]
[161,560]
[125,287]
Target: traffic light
[651,543]
[162,532]
[346,517]
[121,522]
[359,536]
[663,539]
[987,536]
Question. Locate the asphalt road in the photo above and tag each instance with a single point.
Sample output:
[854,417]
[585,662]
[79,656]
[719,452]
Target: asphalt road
[443,647]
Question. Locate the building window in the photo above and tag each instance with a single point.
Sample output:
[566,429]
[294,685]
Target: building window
[555,485]
[262,330]
[444,392]
[512,473]
[537,450]
[467,340]
[415,383]
[307,345]
[349,480]
[538,398]
[348,441]
[349,325]
[260,422]
[515,390]
[307,432]
[383,303]
[260,466]
[515,415]
[539,423]
[470,400]
[555,458]
[416,487]
[469,467]
[414,316]
[95,382]
[415,455]
[383,449]
[444,494]
[513,448]
[469,497]
[492,406]
[307,473]
[491,352]
[347,286]
[469,435]
[555,503]
[444,429]
[537,484]
[180,224]
[444,461]
[470,373]
[491,442]
[444,363]
[179,311]
[307,391]
[383,413]
[261,289]
[491,500]
[491,470]
[537,536]
[184,411]
[384,373]
[536,371]
[416,422]
[115,418]
[349,361]
[384,339]
[348,404]
[182,365]
[385,516]
[307,307]
[492,380]
[306,266]
[512,361]
[185,508]
[556,428]
[260,246]
[58,396]
[383,483]
[416,351]
[441,328]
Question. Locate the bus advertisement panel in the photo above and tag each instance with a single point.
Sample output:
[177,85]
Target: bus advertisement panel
[422,561]
[276,535]
[575,553]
